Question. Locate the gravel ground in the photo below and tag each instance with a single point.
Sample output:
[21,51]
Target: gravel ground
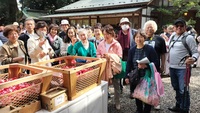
[128,105]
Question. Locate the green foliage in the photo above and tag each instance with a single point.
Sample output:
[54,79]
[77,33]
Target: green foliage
[186,5]
[8,11]
[191,22]
[165,11]
[47,5]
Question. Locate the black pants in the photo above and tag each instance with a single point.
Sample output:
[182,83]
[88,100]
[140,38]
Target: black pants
[132,87]
[142,107]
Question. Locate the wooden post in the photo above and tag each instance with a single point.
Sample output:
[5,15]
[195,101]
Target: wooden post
[14,71]
[102,68]
[90,21]
[69,82]
[46,83]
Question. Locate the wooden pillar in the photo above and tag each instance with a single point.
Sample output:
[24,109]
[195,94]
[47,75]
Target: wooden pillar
[90,21]
[98,19]
[132,20]
[14,71]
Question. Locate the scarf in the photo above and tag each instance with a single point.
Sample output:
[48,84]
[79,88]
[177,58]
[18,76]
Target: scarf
[124,41]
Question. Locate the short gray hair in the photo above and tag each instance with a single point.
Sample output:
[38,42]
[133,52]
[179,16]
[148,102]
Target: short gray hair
[153,23]
[29,19]
[82,30]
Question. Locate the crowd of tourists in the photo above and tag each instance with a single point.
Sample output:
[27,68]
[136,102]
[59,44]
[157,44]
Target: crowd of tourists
[171,52]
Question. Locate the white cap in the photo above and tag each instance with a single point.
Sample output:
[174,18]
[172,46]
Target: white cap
[15,23]
[65,22]
[124,20]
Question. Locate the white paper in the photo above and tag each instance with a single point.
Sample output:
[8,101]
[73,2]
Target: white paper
[143,61]
[59,100]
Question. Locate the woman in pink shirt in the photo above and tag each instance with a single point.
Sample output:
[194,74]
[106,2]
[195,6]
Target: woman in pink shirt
[111,49]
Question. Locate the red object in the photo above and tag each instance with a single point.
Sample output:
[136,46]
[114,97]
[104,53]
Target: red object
[187,74]
[12,88]
[73,62]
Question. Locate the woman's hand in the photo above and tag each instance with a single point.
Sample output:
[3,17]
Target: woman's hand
[74,40]
[127,81]
[88,61]
[142,66]
[106,55]
[42,54]
[18,59]
[42,42]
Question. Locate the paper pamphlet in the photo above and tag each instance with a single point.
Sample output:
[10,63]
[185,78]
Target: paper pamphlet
[143,61]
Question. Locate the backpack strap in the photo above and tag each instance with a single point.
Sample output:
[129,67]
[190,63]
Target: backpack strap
[183,40]
[186,45]
[21,45]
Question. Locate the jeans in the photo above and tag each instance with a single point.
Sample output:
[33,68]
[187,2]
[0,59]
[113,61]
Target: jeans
[177,81]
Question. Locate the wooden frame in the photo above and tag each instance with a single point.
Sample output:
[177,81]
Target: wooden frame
[69,75]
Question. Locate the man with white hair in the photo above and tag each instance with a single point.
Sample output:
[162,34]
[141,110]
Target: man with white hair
[64,26]
[29,26]
[158,43]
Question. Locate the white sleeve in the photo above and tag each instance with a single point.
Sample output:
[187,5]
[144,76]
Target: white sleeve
[33,48]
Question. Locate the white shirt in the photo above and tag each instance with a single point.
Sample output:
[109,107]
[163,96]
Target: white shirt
[107,47]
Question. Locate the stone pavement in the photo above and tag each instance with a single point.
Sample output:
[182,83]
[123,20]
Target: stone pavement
[128,105]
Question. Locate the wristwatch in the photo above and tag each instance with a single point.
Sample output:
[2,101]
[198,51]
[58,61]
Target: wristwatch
[195,59]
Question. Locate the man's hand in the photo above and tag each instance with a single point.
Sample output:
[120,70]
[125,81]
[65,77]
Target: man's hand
[190,60]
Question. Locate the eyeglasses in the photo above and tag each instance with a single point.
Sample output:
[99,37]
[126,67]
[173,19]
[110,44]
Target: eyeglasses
[179,25]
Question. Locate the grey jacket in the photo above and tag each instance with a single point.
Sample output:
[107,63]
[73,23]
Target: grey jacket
[178,50]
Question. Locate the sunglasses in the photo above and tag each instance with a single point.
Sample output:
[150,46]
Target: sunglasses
[179,25]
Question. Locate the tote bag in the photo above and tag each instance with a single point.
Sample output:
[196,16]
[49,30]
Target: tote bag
[146,90]
[159,83]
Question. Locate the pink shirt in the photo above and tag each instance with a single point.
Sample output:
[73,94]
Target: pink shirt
[114,48]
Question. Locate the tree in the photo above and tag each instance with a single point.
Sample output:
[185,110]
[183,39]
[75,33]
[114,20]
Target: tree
[186,5]
[179,8]
[46,5]
[8,11]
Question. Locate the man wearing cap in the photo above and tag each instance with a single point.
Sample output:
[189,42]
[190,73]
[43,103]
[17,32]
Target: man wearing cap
[177,51]
[64,26]
[125,38]
[16,24]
